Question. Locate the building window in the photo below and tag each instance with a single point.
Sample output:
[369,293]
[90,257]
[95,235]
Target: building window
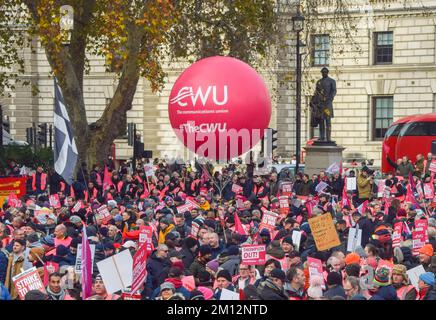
[321,50]
[383,47]
[382,116]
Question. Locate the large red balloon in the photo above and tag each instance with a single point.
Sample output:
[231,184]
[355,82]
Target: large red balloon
[219,107]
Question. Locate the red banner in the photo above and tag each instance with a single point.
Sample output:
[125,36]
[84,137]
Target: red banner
[396,237]
[146,237]
[14,185]
[139,271]
[253,254]
[419,235]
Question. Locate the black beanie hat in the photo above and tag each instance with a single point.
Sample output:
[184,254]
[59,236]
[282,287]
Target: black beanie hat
[288,239]
[196,295]
[224,274]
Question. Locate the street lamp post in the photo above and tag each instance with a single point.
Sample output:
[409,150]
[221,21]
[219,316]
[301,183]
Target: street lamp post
[298,26]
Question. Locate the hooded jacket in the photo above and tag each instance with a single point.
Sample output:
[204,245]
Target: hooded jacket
[269,291]
[179,288]
[385,293]
[157,269]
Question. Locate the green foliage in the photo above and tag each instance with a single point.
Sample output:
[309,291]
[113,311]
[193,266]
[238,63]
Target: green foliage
[24,155]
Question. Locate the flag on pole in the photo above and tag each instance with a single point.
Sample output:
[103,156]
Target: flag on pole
[362,207]
[65,150]
[239,228]
[86,266]
[106,178]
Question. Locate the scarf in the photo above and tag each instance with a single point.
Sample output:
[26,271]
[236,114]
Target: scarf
[176,282]
[56,296]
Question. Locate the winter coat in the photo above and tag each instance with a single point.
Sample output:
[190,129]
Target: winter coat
[404,169]
[367,227]
[188,256]
[179,289]
[304,189]
[163,233]
[4,293]
[231,264]
[217,251]
[363,187]
[157,269]
[385,293]
[269,291]
[196,267]
[3,266]
[335,291]
[12,271]
[430,295]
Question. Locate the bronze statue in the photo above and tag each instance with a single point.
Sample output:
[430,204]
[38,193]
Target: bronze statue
[321,105]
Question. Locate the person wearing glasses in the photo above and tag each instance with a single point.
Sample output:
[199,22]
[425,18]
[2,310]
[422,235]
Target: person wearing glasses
[158,266]
[352,289]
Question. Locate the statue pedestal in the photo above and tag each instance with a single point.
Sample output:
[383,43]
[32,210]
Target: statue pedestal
[320,156]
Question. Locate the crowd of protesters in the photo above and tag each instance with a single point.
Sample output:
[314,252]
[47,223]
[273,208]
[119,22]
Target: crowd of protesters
[375,270]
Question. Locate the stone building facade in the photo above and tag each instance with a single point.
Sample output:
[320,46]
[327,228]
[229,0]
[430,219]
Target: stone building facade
[391,74]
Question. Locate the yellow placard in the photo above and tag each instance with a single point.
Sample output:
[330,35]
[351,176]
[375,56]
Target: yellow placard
[324,232]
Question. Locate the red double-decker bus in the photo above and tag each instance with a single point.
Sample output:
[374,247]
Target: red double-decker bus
[408,136]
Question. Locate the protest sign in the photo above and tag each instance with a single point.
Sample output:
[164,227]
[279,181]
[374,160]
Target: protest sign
[296,239]
[380,188]
[104,213]
[315,267]
[287,189]
[321,186]
[284,205]
[396,236]
[139,271]
[351,183]
[253,254]
[28,280]
[269,219]
[324,232]
[194,229]
[77,206]
[419,235]
[146,238]
[116,271]
[54,201]
[240,202]
[78,266]
[130,296]
[354,239]
[414,275]
[229,295]
[149,170]
[43,214]
[237,189]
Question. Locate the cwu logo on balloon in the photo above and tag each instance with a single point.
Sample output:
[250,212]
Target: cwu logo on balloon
[219,108]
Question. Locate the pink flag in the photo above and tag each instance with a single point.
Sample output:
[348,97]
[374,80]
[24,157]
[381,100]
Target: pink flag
[106,178]
[86,266]
[309,207]
[362,207]
[409,195]
[238,225]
